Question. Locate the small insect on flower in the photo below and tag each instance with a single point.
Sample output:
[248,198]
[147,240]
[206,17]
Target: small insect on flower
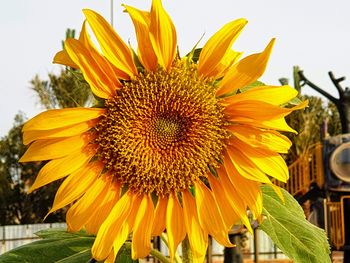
[180,144]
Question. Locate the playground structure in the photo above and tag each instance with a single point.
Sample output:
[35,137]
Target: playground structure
[322,175]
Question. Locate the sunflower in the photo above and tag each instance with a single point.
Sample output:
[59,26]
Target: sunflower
[177,144]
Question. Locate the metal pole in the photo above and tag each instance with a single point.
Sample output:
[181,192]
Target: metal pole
[112,11]
[210,250]
[256,246]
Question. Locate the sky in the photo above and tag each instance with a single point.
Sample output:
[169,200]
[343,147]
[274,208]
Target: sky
[314,34]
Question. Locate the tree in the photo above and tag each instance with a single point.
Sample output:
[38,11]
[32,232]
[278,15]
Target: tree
[66,90]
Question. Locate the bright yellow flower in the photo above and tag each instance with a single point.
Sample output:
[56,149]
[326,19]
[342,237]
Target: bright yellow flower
[177,146]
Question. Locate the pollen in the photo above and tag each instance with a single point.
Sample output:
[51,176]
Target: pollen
[162,131]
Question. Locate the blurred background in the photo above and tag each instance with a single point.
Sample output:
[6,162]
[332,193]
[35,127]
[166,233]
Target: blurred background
[313,38]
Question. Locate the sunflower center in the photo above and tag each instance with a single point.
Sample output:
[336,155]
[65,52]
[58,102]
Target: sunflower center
[161,131]
[167,128]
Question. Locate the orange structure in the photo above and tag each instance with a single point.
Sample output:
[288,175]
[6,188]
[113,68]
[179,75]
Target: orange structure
[308,170]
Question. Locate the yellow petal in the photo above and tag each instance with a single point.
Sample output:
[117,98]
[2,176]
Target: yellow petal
[103,209]
[217,47]
[259,110]
[128,225]
[269,162]
[210,216]
[107,67]
[279,124]
[226,62]
[63,58]
[278,191]
[267,139]
[275,95]
[197,237]
[79,214]
[111,226]
[59,168]
[244,189]
[245,71]
[111,257]
[100,83]
[163,35]
[257,207]
[141,241]
[255,110]
[75,185]
[174,224]
[141,20]
[246,167]
[160,217]
[229,214]
[54,148]
[113,47]
[59,118]
[115,229]
[75,129]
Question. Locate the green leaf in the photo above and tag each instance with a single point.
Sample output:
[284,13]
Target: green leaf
[195,54]
[295,101]
[82,256]
[57,246]
[244,89]
[60,232]
[124,255]
[252,85]
[286,225]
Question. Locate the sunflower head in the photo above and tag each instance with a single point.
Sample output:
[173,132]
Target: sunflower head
[178,145]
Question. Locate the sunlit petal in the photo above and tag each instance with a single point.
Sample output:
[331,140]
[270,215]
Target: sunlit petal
[113,47]
[217,47]
[246,71]
[174,224]
[59,168]
[59,118]
[141,242]
[141,20]
[75,185]
[162,34]
[210,216]
[100,83]
[197,237]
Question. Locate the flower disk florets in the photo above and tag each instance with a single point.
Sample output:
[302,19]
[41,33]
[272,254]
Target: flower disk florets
[162,130]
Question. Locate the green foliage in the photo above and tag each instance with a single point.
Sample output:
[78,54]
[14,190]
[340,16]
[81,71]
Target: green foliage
[309,125]
[252,85]
[70,33]
[66,90]
[194,54]
[296,78]
[57,245]
[286,225]
[124,255]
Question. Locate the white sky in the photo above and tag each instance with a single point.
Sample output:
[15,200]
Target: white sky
[314,34]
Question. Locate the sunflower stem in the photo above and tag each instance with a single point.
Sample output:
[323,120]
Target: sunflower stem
[158,255]
[187,256]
